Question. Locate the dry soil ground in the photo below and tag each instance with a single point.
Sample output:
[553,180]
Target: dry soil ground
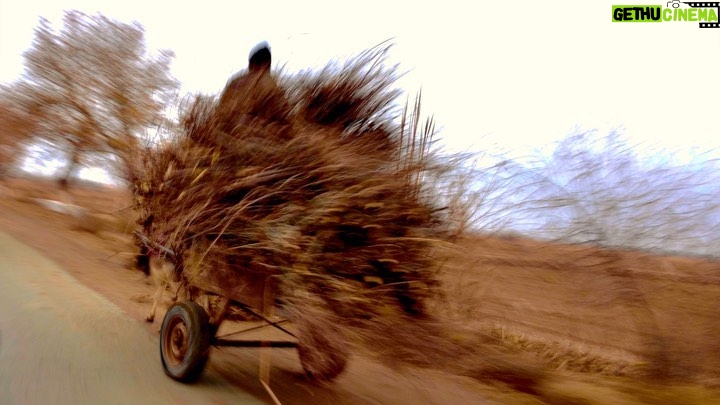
[610,327]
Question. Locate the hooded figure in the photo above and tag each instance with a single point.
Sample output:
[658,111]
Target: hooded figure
[253,94]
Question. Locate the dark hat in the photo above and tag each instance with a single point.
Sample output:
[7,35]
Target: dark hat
[260,56]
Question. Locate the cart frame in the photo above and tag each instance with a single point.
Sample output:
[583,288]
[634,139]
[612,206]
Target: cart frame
[189,330]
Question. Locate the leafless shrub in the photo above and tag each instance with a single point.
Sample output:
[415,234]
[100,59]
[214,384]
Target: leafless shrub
[597,189]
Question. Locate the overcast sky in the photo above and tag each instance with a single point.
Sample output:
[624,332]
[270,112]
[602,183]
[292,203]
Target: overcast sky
[495,75]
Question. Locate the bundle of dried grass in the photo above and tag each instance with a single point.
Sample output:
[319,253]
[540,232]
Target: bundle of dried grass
[325,197]
[321,190]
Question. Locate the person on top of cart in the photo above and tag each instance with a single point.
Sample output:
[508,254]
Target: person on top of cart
[253,94]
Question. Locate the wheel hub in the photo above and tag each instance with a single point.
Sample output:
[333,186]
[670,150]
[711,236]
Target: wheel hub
[178,342]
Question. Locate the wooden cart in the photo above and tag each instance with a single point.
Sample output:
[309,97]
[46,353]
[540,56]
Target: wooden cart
[188,330]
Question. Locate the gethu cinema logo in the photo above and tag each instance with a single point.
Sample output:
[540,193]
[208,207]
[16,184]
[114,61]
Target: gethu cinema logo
[699,12]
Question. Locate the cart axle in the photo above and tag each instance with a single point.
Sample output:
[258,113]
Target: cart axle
[253,343]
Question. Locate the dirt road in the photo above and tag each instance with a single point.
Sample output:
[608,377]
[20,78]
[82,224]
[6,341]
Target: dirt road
[62,343]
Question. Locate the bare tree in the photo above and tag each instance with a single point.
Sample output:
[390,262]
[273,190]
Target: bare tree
[94,86]
[595,189]
[16,126]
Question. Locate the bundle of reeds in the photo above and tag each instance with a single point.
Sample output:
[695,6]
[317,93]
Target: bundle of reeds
[316,182]
[313,180]
[327,187]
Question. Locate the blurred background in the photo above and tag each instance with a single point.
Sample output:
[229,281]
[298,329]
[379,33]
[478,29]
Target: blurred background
[582,129]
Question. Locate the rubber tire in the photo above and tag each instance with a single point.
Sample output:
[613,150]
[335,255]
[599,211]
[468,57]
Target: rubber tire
[197,327]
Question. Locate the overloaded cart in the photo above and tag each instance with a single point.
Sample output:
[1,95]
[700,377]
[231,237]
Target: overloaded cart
[190,326]
[302,194]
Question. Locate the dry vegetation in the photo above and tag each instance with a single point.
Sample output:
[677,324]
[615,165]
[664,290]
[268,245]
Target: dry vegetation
[89,87]
[324,198]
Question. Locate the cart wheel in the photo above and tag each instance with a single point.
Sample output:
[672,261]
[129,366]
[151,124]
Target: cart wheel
[321,359]
[185,341]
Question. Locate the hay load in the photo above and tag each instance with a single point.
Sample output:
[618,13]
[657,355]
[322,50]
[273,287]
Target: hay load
[311,181]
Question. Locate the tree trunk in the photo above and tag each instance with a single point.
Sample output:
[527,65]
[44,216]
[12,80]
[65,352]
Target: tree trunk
[74,162]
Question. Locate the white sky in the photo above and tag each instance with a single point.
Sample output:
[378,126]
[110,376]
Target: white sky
[494,74]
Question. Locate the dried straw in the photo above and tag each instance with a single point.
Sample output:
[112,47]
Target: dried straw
[325,197]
